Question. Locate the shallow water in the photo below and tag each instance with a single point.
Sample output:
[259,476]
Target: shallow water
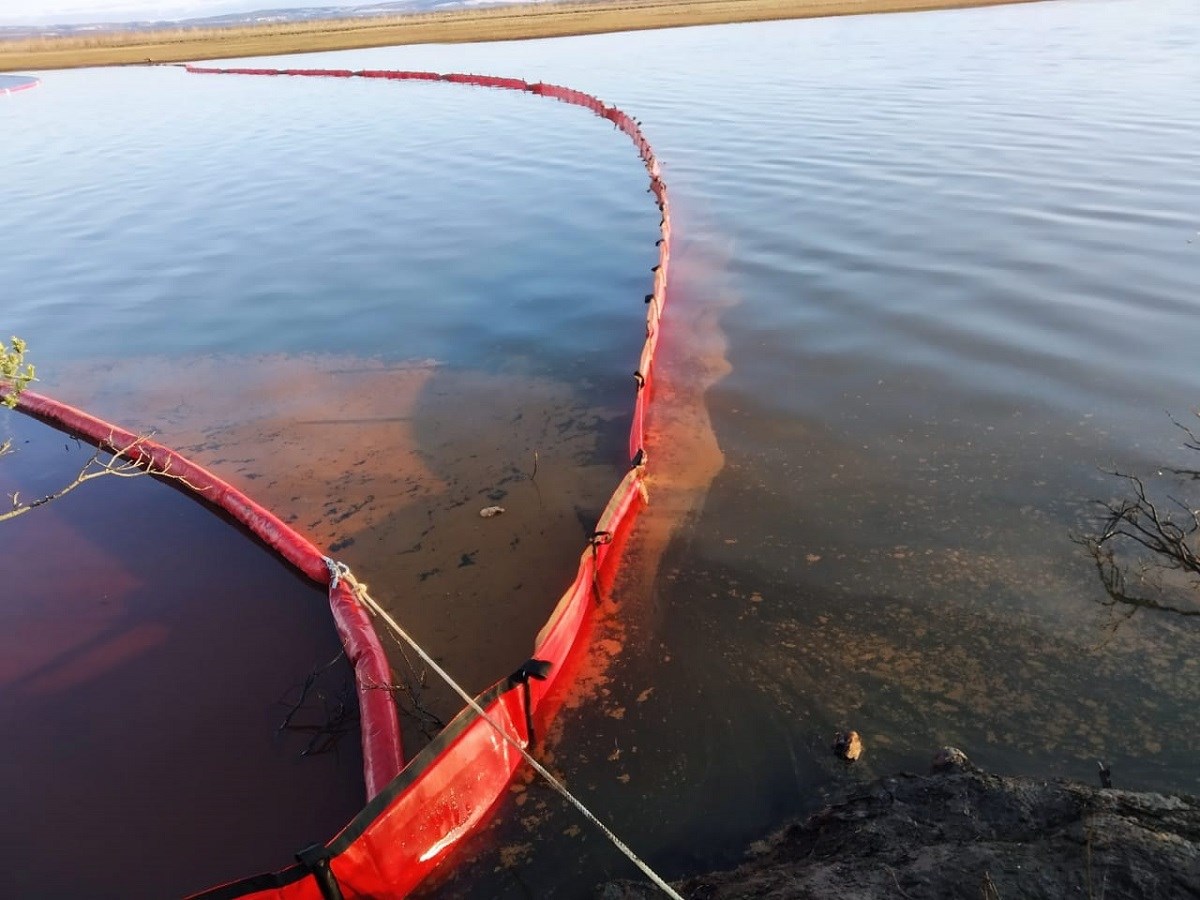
[950,256]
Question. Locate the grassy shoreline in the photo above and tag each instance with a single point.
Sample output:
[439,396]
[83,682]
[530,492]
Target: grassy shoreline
[459,26]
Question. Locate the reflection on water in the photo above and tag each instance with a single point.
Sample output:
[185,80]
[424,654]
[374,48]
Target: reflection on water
[949,256]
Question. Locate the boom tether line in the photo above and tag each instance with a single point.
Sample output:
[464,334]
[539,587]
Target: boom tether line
[340,572]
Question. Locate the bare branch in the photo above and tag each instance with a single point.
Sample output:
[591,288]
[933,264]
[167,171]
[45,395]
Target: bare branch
[327,720]
[1112,577]
[411,689]
[128,461]
[1139,533]
[1192,443]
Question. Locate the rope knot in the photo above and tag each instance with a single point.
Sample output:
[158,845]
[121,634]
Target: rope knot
[337,571]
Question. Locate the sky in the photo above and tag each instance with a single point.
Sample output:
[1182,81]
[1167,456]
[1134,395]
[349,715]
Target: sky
[64,12]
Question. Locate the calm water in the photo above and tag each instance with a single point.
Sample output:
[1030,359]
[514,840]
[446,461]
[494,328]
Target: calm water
[950,255]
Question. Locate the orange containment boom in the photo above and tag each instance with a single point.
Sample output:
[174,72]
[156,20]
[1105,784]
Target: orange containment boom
[414,816]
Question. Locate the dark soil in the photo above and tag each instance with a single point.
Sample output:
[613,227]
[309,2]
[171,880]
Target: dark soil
[969,834]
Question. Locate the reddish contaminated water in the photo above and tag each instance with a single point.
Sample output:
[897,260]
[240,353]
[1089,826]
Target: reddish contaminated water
[151,653]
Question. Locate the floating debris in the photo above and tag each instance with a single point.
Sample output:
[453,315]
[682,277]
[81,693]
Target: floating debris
[488,511]
[847,745]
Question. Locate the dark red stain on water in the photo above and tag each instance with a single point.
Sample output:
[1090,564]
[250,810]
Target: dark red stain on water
[149,653]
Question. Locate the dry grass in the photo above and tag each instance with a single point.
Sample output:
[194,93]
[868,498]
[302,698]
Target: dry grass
[461,26]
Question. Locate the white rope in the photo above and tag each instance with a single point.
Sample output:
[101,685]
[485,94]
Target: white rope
[340,571]
[337,570]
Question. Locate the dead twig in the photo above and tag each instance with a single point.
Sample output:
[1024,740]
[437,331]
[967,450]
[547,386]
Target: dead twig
[1148,534]
[411,688]
[309,680]
[109,459]
[1192,443]
[330,721]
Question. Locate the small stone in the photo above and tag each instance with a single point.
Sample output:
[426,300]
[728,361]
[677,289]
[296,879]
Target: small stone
[847,745]
[950,759]
[488,511]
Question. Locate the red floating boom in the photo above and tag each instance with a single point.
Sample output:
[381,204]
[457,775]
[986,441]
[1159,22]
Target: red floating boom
[10,84]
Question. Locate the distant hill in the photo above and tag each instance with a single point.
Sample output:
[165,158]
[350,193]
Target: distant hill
[255,17]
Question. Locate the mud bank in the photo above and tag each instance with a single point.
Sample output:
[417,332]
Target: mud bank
[968,833]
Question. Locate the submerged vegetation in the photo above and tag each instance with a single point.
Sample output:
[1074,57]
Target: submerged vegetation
[1146,546]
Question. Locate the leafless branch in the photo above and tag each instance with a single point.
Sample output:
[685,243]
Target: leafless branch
[1192,443]
[1112,578]
[411,689]
[109,459]
[1147,536]
[325,721]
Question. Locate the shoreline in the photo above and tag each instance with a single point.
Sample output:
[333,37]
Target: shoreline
[504,23]
[964,832]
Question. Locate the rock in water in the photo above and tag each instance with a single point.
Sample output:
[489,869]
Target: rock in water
[950,759]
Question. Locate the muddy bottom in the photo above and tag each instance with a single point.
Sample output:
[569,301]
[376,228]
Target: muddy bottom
[388,467]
